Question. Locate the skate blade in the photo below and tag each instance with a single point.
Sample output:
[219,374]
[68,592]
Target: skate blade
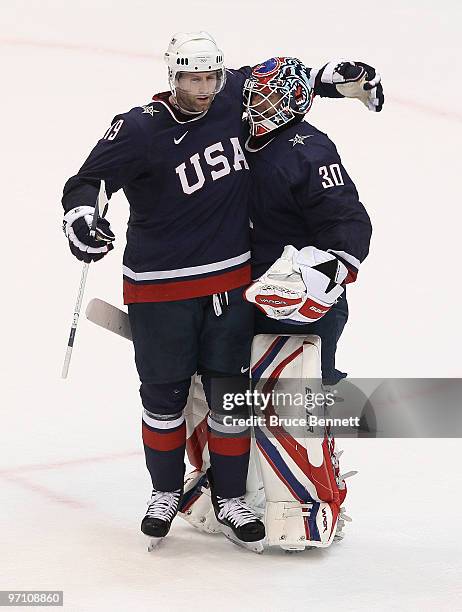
[154,543]
[255,547]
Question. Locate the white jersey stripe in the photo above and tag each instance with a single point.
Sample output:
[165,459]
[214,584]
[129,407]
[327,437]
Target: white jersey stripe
[194,270]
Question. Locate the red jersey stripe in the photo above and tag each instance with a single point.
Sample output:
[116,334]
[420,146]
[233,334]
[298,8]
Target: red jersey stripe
[183,290]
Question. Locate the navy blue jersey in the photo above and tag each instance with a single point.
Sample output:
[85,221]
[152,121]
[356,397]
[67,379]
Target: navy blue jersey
[302,195]
[187,182]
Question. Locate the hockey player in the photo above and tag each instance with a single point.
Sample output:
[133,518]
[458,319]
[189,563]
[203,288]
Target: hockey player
[310,234]
[181,164]
[300,187]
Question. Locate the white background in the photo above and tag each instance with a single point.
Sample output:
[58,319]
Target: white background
[73,483]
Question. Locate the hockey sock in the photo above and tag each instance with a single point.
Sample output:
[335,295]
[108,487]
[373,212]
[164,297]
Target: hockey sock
[229,448]
[164,432]
[228,434]
[164,439]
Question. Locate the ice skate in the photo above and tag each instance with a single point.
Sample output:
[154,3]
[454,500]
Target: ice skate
[162,509]
[239,523]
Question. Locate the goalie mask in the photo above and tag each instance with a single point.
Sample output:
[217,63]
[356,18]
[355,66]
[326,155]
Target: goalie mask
[277,91]
[196,72]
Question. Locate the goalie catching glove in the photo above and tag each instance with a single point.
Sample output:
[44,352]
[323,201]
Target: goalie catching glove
[76,226]
[300,287]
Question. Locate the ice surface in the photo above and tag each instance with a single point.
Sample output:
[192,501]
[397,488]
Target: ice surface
[73,482]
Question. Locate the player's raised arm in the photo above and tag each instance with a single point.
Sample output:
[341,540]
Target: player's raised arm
[336,79]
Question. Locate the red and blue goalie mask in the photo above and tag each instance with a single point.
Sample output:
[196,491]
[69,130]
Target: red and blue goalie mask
[277,91]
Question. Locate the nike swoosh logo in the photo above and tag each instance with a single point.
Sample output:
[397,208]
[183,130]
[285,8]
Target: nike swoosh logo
[244,370]
[178,140]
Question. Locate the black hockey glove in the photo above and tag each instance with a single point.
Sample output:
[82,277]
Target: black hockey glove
[76,226]
[354,80]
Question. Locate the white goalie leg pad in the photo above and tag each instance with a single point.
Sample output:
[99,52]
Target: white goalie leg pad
[196,412]
[301,492]
[286,525]
[196,507]
[255,491]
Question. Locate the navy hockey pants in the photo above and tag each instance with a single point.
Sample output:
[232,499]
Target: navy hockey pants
[172,341]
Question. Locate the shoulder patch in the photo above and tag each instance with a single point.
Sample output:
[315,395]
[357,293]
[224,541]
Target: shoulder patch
[149,109]
[299,139]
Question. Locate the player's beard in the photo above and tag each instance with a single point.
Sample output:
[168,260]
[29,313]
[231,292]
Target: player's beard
[191,103]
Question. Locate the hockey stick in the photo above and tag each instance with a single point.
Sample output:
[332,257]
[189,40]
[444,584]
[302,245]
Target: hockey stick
[101,203]
[109,317]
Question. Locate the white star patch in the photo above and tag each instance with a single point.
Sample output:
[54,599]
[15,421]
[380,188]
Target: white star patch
[149,109]
[297,139]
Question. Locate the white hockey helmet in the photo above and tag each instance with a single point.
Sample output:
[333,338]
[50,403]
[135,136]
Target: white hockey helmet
[194,52]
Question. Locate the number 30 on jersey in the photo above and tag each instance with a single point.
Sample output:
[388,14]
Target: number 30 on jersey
[331,175]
